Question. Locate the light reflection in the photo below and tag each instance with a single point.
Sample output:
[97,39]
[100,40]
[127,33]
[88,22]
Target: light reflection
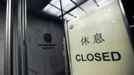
[51,10]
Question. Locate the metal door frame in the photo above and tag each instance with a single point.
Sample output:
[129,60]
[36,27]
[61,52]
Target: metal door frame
[8,47]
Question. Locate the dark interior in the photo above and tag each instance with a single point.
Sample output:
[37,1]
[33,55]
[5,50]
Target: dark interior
[128,5]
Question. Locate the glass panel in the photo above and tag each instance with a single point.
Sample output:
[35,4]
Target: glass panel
[99,41]
[45,41]
[66,4]
[2,34]
[54,7]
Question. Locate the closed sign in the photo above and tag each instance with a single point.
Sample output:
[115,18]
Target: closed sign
[99,41]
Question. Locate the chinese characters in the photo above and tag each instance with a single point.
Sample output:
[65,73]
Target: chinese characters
[85,40]
[97,39]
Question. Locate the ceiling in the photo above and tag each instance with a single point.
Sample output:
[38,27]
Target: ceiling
[38,5]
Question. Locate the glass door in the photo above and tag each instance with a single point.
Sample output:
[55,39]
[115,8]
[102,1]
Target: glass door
[46,53]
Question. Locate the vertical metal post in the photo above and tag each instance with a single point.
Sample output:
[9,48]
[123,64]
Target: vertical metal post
[24,17]
[67,55]
[7,53]
[22,22]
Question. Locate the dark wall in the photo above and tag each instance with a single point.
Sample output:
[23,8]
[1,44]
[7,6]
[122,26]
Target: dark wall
[129,9]
[2,38]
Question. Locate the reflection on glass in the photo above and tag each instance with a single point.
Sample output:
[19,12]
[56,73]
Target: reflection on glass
[44,41]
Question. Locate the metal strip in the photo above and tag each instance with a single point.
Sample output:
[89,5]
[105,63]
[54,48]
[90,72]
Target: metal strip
[25,39]
[22,21]
[24,27]
[7,53]
[66,30]
[66,41]
[19,38]
[132,26]
[62,14]
[78,6]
